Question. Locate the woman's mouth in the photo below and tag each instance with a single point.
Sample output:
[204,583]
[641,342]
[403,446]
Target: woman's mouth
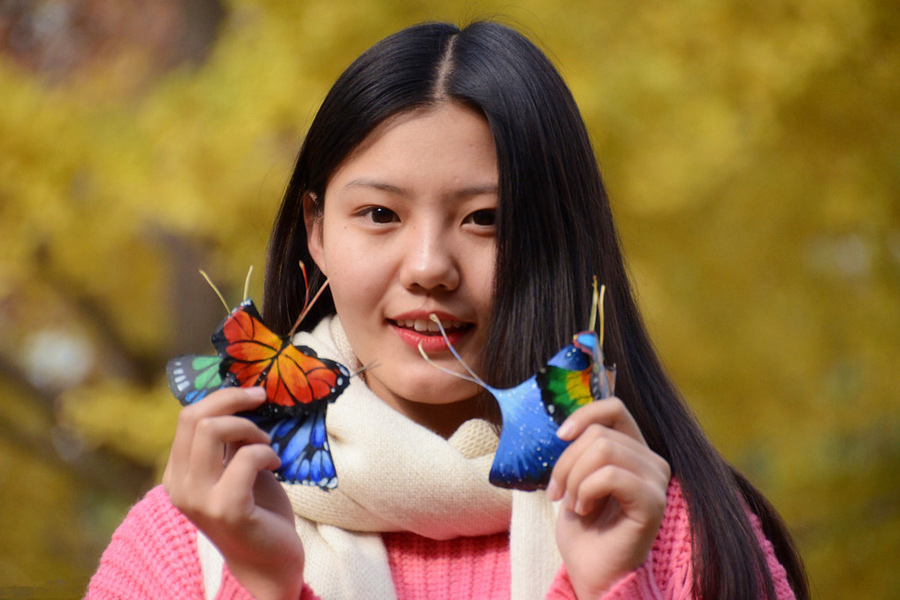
[427,332]
[429,326]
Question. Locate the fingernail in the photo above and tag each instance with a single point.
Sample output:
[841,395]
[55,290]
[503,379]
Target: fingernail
[552,490]
[569,503]
[565,430]
[256,393]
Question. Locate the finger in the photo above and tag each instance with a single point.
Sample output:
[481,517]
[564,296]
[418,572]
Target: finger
[595,435]
[235,487]
[207,460]
[596,448]
[610,412]
[641,500]
[226,401]
[269,495]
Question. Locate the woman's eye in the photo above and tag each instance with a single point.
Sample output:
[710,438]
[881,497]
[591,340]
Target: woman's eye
[380,214]
[486,217]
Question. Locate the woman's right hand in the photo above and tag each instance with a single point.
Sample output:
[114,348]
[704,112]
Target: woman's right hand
[219,475]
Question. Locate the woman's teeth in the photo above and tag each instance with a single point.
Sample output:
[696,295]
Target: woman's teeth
[428,325]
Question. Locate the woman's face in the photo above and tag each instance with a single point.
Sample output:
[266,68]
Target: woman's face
[407,231]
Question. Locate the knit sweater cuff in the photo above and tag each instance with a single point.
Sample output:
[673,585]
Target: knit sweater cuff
[636,585]
[232,589]
[561,588]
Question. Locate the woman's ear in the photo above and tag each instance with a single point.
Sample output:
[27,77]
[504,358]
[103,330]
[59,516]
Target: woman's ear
[312,220]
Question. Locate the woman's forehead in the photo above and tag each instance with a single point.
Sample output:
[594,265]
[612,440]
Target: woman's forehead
[449,142]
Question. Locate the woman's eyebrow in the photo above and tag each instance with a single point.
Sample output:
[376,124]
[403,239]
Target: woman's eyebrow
[378,185]
[465,192]
[476,190]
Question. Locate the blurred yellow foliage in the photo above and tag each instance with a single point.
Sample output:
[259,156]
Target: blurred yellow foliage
[751,151]
[134,428]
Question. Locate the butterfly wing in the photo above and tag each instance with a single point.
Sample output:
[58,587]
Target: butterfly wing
[301,443]
[300,377]
[192,377]
[247,347]
[565,382]
[564,391]
[293,376]
[528,446]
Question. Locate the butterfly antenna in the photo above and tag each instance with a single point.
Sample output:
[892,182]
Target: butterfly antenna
[462,376]
[247,283]
[306,310]
[305,287]
[365,368]
[600,312]
[216,290]
[474,378]
[305,300]
[594,306]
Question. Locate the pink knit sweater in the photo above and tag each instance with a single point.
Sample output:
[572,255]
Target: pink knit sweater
[153,554]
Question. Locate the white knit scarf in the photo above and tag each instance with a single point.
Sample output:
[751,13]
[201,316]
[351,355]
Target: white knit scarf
[395,475]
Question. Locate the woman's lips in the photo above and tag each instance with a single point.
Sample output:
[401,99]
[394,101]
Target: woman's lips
[414,332]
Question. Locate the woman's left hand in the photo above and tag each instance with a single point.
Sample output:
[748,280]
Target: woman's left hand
[613,488]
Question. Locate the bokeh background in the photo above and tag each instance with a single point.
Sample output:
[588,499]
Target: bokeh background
[752,150]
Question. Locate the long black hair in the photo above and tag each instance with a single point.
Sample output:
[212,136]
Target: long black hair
[555,231]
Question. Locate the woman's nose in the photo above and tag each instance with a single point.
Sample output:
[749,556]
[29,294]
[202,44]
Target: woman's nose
[428,262]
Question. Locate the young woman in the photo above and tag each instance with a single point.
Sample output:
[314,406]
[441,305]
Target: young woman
[448,171]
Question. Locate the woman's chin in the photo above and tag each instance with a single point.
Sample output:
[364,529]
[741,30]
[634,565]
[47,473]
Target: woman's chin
[433,389]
